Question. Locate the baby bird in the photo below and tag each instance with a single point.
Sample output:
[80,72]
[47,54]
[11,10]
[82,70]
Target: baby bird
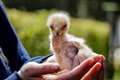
[64,46]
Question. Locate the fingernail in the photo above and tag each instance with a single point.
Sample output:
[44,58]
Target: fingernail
[98,65]
[102,57]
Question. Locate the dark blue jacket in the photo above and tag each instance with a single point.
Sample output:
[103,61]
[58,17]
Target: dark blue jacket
[12,53]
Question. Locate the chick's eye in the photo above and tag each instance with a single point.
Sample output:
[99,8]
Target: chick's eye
[51,26]
[64,26]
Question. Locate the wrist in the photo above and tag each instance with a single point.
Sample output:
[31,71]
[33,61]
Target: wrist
[20,75]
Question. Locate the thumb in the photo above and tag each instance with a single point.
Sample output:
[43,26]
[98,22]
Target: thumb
[35,69]
[45,68]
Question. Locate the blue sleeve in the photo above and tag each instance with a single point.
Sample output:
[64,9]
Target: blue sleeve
[13,76]
[12,47]
[38,59]
[9,42]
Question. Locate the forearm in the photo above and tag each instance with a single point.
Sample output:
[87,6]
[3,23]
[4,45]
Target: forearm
[10,43]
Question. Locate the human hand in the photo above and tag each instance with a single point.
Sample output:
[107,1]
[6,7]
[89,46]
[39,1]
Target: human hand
[100,74]
[34,71]
[87,70]
[101,59]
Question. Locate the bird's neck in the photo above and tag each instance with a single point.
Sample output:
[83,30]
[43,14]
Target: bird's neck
[58,38]
[57,42]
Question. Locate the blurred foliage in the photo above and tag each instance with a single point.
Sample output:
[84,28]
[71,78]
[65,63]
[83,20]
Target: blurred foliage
[117,75]
[32,30]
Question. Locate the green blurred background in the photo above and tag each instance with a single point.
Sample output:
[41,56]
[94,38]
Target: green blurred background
[32,29]
[88,20]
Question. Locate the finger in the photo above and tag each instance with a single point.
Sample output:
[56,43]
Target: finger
[99,58]
[78,71]
[100,75]
[44,77]
[35,69]
[35,78]
[84,66]
[47,68]
[50,77]
[90,75]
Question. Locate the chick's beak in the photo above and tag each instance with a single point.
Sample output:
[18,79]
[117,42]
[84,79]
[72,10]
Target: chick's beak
[57,27]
